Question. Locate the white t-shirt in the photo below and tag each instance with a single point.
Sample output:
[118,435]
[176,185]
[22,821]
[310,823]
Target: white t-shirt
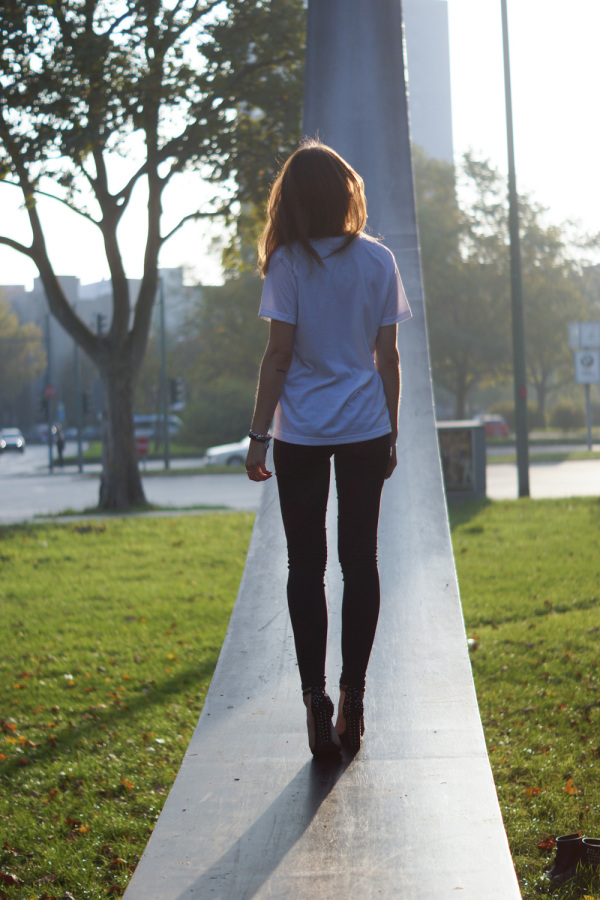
[333,393]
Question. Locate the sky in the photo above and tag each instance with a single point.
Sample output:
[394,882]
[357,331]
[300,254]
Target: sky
[555,69]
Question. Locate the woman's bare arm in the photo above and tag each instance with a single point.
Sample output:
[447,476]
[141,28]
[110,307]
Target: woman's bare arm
[272,375]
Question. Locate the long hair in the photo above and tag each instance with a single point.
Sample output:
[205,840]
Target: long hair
[316,195]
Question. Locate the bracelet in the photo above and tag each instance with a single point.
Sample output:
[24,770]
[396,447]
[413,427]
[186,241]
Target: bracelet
[263,438]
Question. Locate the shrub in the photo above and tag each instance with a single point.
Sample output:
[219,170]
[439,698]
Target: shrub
[506,409]
[221,415]
[567,415]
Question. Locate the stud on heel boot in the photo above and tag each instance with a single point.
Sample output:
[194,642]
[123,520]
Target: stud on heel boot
[591,848]
[353,712]
[324,742]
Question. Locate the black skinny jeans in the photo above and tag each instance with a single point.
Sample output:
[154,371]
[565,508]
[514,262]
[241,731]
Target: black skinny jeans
[303,481]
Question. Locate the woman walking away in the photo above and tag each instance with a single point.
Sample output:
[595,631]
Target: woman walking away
[330,377]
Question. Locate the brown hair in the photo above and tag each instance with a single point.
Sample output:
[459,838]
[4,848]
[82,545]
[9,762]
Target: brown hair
[316,194]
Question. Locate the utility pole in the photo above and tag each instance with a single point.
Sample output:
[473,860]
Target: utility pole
[48,393]
[163,367]
[77,405]
[516,292]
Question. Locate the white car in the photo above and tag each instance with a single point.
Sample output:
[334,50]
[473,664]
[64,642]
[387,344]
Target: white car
[12,439]
[228,454]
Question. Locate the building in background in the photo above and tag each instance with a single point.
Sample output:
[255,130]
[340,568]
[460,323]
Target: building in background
[93,304]
[428,63]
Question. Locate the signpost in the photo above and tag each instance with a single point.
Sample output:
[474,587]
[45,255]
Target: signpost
[584,340]
[142,445]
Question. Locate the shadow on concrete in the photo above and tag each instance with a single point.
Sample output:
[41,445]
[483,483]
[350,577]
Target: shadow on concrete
[249,863]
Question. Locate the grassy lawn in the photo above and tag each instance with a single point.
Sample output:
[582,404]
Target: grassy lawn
[111,633]
[529,574]
[112,629]
[558,456]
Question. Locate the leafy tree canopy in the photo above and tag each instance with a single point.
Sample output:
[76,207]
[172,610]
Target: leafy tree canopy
[463,229]
[22,356]
[167,85]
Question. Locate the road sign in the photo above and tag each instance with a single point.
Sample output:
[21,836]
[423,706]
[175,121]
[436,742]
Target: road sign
[50,391]
[589,334]
[584,335]
[574,335]
[587,366]
[142,445]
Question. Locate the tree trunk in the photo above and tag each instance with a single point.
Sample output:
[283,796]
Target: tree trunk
[121,484]
[541,402]
[460,396]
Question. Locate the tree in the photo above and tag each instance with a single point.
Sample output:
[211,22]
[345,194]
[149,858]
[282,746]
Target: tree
[22,357]
[464,275]
[464,243]
[220,357]
[552,288]
[167,85]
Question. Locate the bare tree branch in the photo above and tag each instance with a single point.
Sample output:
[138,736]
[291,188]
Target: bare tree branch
[194,217]
[40,193]
[15,245]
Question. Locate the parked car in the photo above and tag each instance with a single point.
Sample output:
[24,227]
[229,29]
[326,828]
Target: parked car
[495,426]
[151,425]
[12,439]
[228,454]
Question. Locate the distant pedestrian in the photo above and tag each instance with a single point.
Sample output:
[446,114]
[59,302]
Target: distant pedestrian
[60,444]
[330,377]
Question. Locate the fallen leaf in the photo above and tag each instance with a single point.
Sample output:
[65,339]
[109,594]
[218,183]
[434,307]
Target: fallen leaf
[569,789]
[118,863]
[8,878]
[548,843]
[532,791]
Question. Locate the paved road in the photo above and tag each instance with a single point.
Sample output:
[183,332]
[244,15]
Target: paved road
[27,490]
[577,478]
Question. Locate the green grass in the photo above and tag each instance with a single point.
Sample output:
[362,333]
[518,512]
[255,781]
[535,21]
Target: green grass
[529,575]
[93,452]
[111,633]
[112,629]
[550,457]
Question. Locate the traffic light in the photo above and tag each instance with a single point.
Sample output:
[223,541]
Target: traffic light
[177,392]
[100,323]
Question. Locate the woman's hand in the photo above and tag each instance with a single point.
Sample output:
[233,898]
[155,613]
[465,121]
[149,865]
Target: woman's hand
[393,461]
[256,462]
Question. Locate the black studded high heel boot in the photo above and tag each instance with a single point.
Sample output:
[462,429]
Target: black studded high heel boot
[326,744]
[354,713]
[570,853]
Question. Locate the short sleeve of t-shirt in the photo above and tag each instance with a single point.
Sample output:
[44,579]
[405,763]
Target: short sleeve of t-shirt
[279,296]
[396,307]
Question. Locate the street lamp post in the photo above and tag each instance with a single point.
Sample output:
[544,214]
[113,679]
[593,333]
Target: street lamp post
[163,374]
[518,329]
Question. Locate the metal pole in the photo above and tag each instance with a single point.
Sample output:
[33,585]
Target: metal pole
[78,405]
[49,399]
[163,353]
[588,413]
[518,328]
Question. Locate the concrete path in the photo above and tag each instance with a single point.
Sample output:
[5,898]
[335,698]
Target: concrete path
[415,814]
